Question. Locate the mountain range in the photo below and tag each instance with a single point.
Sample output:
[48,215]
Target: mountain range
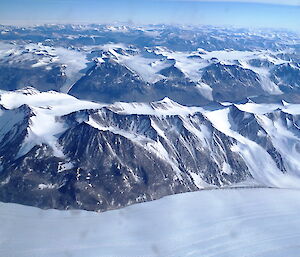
[60,152]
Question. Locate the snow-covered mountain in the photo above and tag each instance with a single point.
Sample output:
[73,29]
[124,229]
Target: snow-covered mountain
[60,152]
[100,117]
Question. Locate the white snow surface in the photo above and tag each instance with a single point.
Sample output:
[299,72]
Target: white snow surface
[160,108]
[51,102]
[7,49]
[205,90]
[208,223]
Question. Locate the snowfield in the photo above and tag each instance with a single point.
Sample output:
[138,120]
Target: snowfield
[239,222]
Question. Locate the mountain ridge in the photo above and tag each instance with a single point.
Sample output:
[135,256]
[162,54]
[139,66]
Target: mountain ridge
[106,156]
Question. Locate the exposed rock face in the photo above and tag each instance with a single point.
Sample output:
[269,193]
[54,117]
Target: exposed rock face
[287,76]
[231,82]
[110,81]
[18,76]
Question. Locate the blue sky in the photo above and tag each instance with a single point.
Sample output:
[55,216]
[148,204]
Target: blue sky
[257,13]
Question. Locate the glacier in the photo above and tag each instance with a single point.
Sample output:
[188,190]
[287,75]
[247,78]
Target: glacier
[241,222]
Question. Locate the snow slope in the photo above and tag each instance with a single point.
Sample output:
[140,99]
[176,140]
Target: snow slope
[235,223]
[73,61]
[51,102]
[46,107]
[261,165]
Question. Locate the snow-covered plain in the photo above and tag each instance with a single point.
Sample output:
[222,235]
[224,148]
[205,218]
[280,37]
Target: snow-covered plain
[239,222]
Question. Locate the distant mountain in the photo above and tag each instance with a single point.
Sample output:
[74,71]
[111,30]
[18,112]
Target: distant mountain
[191,65]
